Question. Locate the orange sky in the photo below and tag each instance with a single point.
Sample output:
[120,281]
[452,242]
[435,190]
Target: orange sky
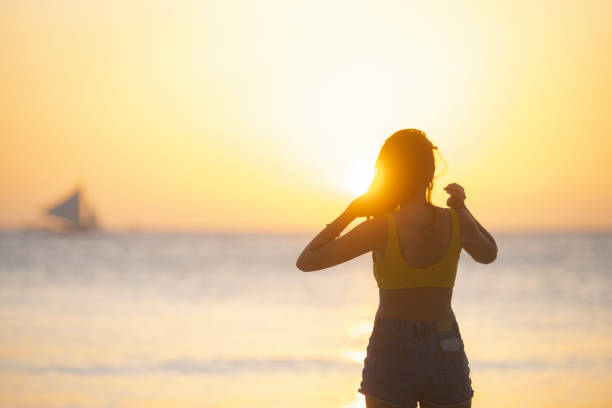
[240,115]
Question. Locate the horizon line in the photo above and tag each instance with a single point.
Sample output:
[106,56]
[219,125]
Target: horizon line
[604,230]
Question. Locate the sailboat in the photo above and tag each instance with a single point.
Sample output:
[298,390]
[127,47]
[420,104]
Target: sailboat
[75,212]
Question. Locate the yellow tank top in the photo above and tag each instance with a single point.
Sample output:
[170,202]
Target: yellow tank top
[393,273]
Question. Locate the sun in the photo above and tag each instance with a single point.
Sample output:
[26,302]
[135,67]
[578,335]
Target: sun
[358,178]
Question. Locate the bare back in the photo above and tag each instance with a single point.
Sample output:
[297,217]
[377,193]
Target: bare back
[419,247]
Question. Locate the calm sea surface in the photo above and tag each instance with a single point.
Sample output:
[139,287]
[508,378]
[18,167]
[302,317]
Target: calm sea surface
[145,320]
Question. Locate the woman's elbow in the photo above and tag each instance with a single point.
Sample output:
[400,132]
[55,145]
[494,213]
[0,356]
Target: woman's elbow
[490,260]
[484,257]
[492,256]
[302,266]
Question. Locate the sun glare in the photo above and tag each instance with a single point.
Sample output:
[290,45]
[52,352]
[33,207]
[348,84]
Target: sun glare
[356,356]
[358,178]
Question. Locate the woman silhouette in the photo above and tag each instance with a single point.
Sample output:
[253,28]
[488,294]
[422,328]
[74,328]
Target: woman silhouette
[415,352]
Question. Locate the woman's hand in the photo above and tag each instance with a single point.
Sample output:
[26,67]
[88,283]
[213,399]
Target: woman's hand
[362,206]
[457,196]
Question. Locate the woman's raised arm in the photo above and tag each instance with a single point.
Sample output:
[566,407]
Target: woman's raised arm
[476,240]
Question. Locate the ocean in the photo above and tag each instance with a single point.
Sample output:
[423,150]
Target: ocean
[132,320]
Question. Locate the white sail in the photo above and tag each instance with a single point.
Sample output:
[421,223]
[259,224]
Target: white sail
[68,209]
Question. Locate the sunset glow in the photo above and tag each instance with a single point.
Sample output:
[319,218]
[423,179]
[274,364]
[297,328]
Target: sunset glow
[228,116]
[358,178]
[169,170]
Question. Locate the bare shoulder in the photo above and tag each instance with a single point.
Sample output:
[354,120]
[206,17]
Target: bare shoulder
[443,213]
[445,210]
[378,224]
[379,228]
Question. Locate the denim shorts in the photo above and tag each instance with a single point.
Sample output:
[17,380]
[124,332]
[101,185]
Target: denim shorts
[411,361]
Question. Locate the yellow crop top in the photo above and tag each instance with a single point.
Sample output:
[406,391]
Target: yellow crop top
[392,272]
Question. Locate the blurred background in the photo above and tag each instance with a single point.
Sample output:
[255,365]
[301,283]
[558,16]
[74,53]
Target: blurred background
[163,164]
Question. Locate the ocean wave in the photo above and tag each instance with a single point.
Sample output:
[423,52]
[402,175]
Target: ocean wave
[190,366]
[185,366]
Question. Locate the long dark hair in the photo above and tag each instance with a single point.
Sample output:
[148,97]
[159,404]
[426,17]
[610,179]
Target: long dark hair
[404,167]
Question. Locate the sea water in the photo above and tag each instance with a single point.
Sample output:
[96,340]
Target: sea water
[227,320]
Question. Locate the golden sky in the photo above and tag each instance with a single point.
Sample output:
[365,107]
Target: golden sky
[261,115]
